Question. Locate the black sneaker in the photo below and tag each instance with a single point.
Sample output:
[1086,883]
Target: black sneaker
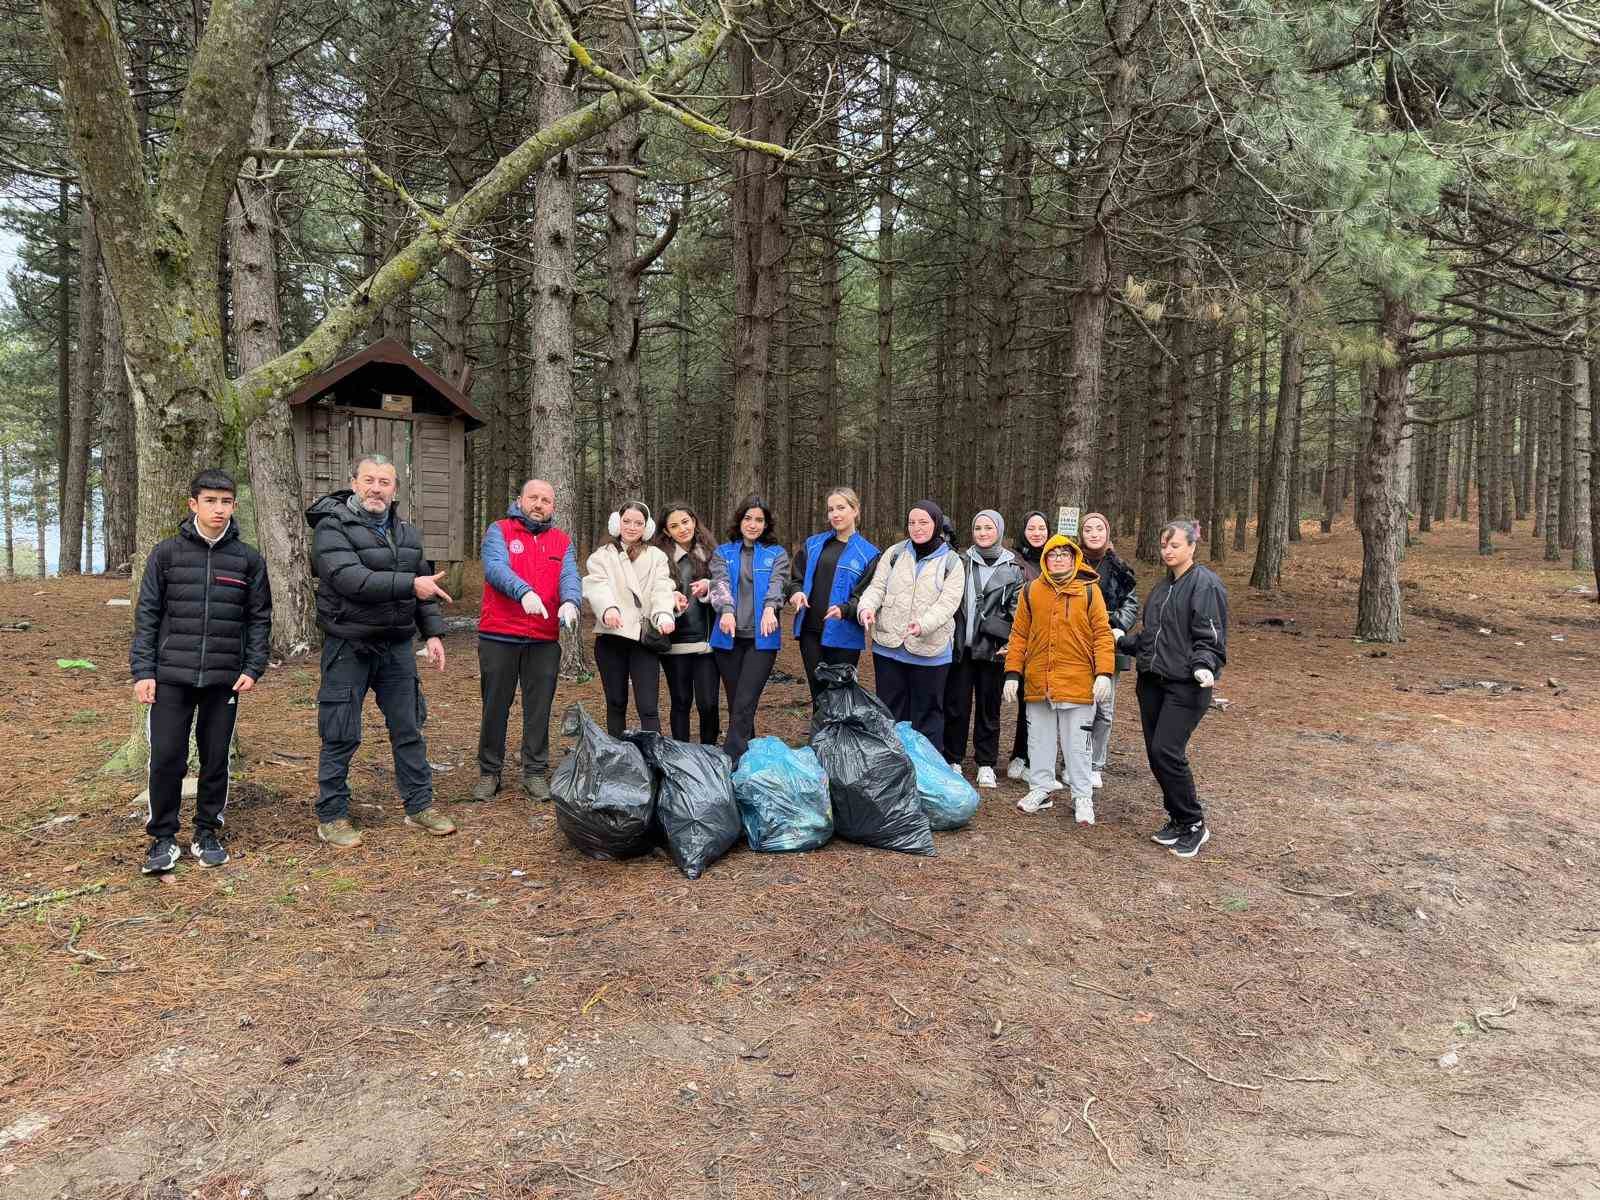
[1189,843]
[1167,834]
[208,848]
[163,856]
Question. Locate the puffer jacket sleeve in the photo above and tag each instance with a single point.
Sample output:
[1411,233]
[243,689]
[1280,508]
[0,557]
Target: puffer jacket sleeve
[257,619]
[571,586]
[951,594]
[1105,646]
[878,577]
[1208,625]
[341,568]
[147,618]
[1126,615]
[658,587]
[1021,629]
[497,572]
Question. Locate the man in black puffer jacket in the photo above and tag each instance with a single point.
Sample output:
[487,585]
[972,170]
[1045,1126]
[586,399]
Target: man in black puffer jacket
[200,634]
[375,592]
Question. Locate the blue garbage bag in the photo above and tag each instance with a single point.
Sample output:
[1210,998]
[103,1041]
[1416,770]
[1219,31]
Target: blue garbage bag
[947,798]
[783,797]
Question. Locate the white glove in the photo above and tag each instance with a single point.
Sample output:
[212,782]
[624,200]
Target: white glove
[1116,634]
[1204,677]
[568,614]
[1102,688]
[532,605]
[1009,692]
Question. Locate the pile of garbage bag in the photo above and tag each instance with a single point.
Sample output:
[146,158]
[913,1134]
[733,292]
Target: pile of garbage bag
[783,797]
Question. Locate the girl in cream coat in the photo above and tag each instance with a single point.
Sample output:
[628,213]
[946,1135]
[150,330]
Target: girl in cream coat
[629,582]
[909,609]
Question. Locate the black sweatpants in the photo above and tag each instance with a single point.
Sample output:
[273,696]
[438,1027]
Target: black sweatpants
[349,671]
[813,653]
[1019,744]
[692,684]
[913,693]
[502,668]
[744,671]
[969,678]
[211,711]
[620,661]
[1169,710]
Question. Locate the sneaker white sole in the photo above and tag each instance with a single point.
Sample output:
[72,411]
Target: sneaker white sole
[149,870]
[1083,818]
[1205,836]
[1017,769]
[1097,781]
[1040,807]
[194,849]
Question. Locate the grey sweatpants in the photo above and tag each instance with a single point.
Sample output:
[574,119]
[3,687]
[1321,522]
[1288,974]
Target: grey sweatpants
[1049,727]
[1102,727]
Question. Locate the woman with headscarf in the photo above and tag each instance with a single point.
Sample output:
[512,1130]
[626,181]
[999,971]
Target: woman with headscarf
[1116,584]
[1035,532]
[909,608]
[977,665]
[1061,661]
[1179,651]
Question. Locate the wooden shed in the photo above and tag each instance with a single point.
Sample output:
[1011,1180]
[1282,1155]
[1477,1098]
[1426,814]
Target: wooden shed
[386,400]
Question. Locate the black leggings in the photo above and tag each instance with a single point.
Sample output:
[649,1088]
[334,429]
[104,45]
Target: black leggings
[1170,709]
[692,684]
[619,661]
[973,679]
[813,653]
[744,672]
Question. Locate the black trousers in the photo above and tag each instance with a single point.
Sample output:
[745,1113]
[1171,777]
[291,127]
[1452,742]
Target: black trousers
[502,668]
[913,693]
[349,671]
[211,711]
[692,684]
[973,678]
[620,661]
[744,671]
[1019,744]
[1169,710]
[813,653]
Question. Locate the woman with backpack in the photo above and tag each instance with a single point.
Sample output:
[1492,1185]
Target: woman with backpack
[1035,532]
[1116,584]
[1061,660]
[1179,651]
[748,572]
[909,608]
[692,679]
[628,584]
[823,576]
[977,666]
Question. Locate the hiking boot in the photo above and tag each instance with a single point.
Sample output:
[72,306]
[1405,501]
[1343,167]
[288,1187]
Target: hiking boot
[164,855]
[486,787]
[1035,800]
[339,833]
[1168,834]
[1096,780]
[1083,809]
[536,787]
[208,848]
[432,820]
[1017,769]
[986,777]
[1190,841]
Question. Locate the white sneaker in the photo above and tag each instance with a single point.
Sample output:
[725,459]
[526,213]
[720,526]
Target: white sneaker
[959,769]
[1096,780]
[1083,809]
[1017,769]
[986,777]
[1035,800]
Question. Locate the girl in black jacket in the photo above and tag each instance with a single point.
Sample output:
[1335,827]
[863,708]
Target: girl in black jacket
[690,668]
[1117,583]
[1180,651]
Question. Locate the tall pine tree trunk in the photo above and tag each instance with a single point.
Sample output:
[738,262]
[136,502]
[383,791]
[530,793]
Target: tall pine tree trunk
[1582,449]
[882,496]
[626,478]
[7,512]
[1332,494]
[119,469]
[1272,538]
[85,374]
[269,442]
[1378,606]
[1217,500]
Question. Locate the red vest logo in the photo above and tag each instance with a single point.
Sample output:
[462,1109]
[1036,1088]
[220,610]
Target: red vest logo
[517,546]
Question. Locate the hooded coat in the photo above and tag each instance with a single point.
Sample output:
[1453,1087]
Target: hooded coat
[1061,637]
[366,572]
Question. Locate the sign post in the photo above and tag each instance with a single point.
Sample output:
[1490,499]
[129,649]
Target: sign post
[1067,518]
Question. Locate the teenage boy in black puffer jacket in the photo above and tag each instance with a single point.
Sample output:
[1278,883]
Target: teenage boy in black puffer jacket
[200,635]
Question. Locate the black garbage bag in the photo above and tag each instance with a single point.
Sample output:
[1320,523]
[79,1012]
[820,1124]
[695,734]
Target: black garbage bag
[695,809]
[870,776]
[604,792]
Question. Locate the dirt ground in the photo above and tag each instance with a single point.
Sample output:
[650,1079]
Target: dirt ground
[1381,978]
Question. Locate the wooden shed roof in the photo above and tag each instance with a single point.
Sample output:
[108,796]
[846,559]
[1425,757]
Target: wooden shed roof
[389,353]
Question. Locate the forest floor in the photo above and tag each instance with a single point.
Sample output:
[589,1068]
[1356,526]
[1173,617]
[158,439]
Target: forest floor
[1378,980]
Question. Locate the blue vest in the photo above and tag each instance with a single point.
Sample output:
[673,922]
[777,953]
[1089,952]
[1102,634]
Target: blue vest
[765,557]
[856,558]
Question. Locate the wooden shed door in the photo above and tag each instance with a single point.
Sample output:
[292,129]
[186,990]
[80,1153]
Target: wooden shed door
[424,451]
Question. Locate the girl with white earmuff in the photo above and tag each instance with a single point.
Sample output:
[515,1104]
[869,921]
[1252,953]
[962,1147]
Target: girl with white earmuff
[628,584]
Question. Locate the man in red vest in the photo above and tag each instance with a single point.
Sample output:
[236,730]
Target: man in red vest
[530,581]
